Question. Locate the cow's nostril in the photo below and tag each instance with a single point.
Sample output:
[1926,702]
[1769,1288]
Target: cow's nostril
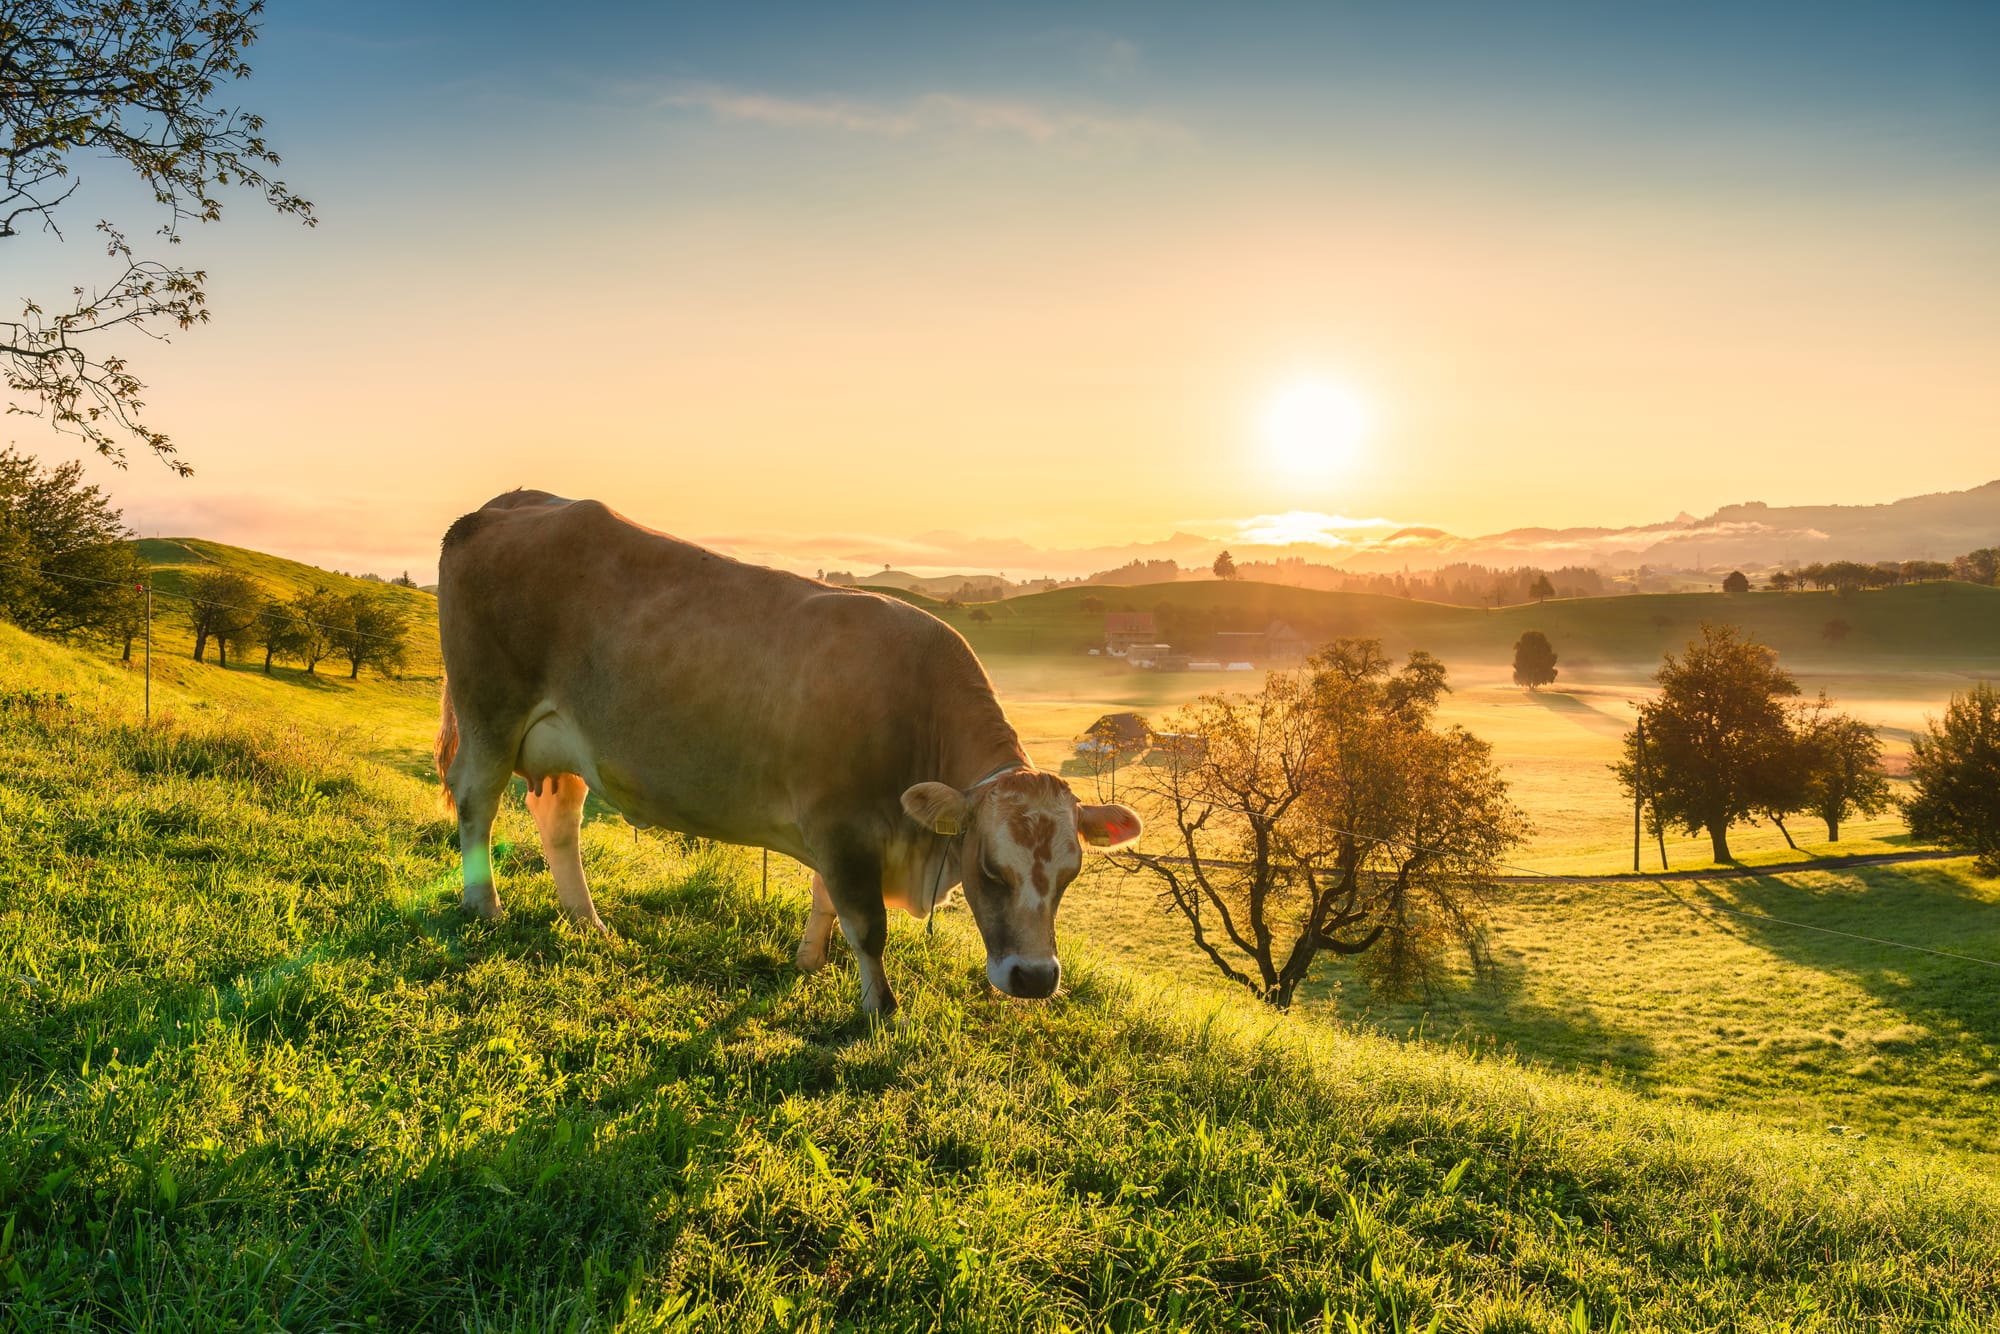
[1034,981]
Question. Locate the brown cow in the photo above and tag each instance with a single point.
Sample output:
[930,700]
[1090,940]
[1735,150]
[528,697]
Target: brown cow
[694,692]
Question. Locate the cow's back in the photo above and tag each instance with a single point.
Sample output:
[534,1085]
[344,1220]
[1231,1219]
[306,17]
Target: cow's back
[713,696]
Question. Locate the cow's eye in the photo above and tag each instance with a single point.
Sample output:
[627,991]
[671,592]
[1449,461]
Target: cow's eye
[986,869]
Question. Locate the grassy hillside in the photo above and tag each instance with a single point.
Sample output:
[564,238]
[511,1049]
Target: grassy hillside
[257,1072]
[1949,626]
[173,559]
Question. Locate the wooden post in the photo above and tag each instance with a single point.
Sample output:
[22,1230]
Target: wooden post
[767,873]
[1638,797]
[1659,831]
[149,655]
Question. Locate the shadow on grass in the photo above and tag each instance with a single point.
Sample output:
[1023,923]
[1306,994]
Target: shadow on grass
[1584,714]
[1495,1012]
[1925,906]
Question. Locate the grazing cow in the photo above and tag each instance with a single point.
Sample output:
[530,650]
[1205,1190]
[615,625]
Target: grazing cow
[694,692]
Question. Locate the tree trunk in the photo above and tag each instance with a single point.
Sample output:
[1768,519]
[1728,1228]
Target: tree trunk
[355,675]
[1833,829]
[126,656]
[1786,832]
[1718,838]
[222,652]
[200,644]
[267,659]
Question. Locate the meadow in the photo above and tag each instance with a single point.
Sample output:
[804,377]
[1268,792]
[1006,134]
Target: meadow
[257,1071]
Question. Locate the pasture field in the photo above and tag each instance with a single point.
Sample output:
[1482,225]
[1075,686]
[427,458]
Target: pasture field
[256,1071]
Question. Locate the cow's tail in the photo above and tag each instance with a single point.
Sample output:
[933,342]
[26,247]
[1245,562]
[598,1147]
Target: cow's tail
[447,743]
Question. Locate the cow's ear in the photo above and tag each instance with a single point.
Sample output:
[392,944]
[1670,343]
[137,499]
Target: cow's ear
[1110,826]
[938,807]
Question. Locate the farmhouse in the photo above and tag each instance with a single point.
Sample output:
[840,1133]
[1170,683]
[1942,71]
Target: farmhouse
[1123,629]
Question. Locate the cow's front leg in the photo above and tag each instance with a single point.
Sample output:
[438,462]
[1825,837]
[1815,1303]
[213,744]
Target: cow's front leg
[854,883]
[819,928]
[867,932]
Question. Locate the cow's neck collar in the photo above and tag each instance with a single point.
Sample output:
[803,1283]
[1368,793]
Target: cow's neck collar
[1010,767]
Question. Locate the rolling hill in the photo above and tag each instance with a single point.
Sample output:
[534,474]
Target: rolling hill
[1941,626]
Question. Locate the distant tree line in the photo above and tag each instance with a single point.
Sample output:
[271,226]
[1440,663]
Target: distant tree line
[1846,576]
[1459,584]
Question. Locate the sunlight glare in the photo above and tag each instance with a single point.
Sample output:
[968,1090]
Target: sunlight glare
[1314,428]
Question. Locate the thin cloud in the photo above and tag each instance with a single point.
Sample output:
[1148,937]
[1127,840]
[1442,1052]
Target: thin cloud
[931,113]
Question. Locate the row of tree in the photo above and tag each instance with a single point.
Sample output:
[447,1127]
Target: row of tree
[1977,567]
[365,628]
[1728,740]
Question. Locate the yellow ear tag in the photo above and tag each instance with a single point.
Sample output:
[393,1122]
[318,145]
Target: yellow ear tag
[1098,840]
[946,825]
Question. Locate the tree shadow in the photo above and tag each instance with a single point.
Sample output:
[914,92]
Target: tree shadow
[1927,907]
[1584,714]
[1494,1011]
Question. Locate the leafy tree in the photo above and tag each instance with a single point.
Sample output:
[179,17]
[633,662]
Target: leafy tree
[276,630]
[981,616]
[219,605]
[1955,777]
[1979,567]
[1091,606]
[1842,764]
[1224,566]
[374,632]
[65,566]
[318,617]
[1736,582]
[1717,737]
[1780,582]
[1327,814]
[1541,590]
[138,82]
[1534,660]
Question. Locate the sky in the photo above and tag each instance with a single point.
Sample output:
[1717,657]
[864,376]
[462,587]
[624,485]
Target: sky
[834,285]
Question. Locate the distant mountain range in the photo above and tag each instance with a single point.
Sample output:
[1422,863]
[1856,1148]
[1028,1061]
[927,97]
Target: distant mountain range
[1936,527]
[1752,534]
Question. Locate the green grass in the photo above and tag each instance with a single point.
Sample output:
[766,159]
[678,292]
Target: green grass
[256,1071]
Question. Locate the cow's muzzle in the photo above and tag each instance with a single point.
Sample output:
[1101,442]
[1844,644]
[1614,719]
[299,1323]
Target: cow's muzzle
[1029,979]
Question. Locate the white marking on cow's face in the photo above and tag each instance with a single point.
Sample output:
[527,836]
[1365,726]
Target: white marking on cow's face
[1021,852]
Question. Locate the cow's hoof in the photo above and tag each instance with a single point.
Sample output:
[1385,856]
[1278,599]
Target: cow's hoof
[487,909]
[810,961]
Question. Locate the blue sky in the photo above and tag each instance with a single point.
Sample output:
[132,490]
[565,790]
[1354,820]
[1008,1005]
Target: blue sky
[763,275]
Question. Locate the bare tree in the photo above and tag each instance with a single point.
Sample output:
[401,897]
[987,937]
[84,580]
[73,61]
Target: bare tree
[139,82]
[1325,814]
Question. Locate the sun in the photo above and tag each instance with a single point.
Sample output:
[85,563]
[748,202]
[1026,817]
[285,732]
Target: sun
[1314,428]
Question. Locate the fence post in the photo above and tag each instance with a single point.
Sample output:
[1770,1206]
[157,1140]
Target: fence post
[149,655]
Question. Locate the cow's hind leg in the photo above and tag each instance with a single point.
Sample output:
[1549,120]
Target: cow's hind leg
[477,782]
[558,810]
[819,928]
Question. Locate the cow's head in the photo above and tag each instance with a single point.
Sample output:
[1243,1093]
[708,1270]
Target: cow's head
[1021,844]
